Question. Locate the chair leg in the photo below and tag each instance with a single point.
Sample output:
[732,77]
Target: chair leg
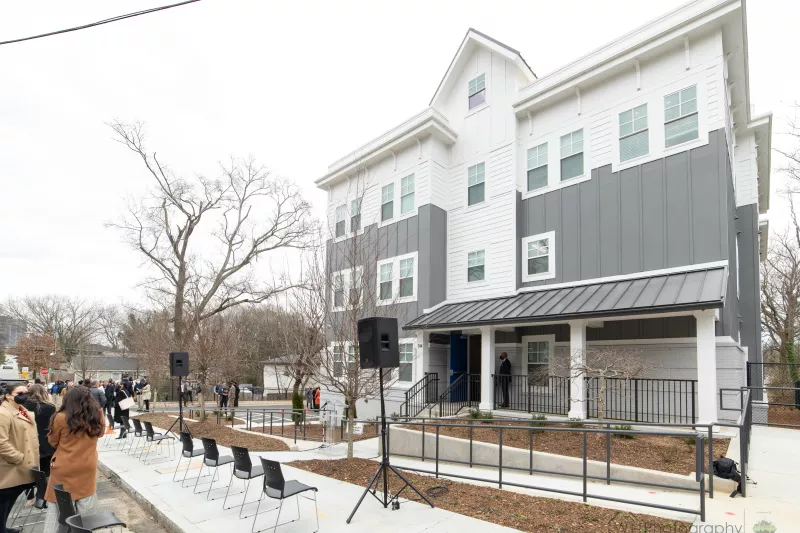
[227,491]
[178,467]
[244,499]
[255,516]
[196,481]
[316,512]
[279,517]
[210,487]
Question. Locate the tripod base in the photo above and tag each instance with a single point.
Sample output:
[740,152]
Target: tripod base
[384,469]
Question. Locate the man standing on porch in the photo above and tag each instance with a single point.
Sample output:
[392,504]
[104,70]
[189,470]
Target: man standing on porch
[505,377]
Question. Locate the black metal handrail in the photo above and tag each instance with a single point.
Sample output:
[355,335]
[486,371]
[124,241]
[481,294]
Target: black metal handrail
[461,393]
[420,394]
[643,399]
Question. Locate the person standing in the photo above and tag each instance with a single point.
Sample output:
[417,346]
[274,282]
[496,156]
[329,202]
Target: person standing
[317,394]
[224,391]
[122,394]
[74,432]
[19,449]
[505,377]
[43,411]
[98,394]
[235,390]
[144,392]
[110,393]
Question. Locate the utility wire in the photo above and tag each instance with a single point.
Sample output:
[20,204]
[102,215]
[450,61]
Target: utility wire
[100,22]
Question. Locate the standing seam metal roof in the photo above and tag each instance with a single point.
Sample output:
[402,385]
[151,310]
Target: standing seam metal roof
[662,293]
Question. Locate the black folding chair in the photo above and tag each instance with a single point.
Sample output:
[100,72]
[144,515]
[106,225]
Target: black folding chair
[188,452]
[69,521]
[242,469]
[39,488]
[156,439]
[138,436]
[212,460]
[277,488]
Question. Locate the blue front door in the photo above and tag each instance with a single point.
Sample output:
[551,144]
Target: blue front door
[458,364]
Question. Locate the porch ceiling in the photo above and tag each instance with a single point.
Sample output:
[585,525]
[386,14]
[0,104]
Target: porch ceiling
[666,293]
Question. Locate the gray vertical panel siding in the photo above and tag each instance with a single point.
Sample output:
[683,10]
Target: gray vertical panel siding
[590,229]
[402,237]
[749,298]
[609,194]
[630,220]
[729,324]
[423,221]
[679,230]
[665,213]
[438,254]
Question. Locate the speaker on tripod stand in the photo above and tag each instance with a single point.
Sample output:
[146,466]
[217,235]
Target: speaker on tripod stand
[179,367]
[378,348]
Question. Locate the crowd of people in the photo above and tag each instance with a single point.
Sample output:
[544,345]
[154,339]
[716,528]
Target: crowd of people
[55,431]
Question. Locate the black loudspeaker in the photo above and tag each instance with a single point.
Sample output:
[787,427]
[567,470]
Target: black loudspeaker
[377,343]
[179,364]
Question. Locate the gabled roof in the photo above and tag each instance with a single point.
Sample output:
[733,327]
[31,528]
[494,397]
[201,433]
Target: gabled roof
[664,293]
[472,38]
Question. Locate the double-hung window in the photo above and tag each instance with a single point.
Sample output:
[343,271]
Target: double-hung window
[341,214]
[680,117]
[475,266]
[387,202]
[338,360]
[351,353]
[634,137]
[538,353]
[355,287]
[476,186]
[406,371]
[385,287]
[537,167]
[355,215]
[477,91]
[538,253]
[407,194]
[338,290]
[572,155]
[406,277]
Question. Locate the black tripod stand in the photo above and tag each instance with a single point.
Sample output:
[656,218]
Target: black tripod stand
[384,469]
[182,425]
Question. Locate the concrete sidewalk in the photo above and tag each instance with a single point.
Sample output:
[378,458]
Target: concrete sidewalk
[180,510]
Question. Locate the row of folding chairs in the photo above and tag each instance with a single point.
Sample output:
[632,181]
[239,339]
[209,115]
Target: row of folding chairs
[141,440]
[274,485]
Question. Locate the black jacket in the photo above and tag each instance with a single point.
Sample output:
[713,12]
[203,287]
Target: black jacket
[121,395]
[42,412]
[505,368]
[110,394]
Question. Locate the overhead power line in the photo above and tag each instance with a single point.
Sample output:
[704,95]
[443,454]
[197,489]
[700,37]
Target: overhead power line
[100,22]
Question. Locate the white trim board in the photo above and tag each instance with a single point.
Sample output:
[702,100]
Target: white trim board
[621,277]
[721,341]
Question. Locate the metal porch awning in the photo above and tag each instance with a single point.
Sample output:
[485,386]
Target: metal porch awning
[688,290]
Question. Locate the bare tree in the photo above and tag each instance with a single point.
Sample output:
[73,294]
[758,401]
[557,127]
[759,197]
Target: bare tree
[110,323]
[203,236]
[37,350]
[73,322]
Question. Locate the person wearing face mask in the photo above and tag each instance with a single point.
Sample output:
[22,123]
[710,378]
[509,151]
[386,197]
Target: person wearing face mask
[19,449]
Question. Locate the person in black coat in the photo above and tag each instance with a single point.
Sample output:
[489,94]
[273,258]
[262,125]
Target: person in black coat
[110,393]
[121,394]
[505,377]
[39,404]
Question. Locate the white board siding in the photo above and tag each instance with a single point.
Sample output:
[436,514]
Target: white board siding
[746,175]
[439,185]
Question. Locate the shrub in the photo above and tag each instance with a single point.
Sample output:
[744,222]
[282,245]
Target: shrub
[575,423]
[669,454]
[689,441]
[624,435]
[477,414]
[538,424]
[297,407]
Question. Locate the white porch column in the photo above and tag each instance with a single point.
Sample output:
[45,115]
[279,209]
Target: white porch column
[706,367]
[422,356]
[577,363]
[487,368]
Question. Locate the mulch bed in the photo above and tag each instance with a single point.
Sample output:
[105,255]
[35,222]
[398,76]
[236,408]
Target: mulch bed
[224,436]
[314,432]
[784,415]
[664,454]
[510,509]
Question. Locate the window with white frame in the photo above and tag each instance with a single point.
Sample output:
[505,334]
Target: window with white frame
[634,136]
[680,117]
[396,279]
[341,214]
[387,202]
[351,353]
[538,252]
[338,290]
[405,373]
[538,360]
[385,282]
[537,167]
[476,186]
[477,91]
[475,266]
[355,288]
[355,215]
[407,194]
[572,155]
[338,360]
[347,289]
[407,277]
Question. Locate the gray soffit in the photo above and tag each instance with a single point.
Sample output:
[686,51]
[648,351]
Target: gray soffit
[662,293]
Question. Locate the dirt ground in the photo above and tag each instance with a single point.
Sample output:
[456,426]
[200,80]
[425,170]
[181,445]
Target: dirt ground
[314,432]
[510,509]
[784,415]
[665,454]
[224,436]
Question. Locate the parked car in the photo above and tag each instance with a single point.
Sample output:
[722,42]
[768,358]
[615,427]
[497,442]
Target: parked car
[8,367]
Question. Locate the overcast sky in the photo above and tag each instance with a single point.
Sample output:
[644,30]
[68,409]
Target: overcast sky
[297,84]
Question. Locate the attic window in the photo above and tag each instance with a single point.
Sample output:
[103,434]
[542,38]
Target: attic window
[477,91]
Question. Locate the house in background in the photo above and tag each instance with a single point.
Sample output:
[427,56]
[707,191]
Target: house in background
[617,202]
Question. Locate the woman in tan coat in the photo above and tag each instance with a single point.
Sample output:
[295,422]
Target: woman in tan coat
[19,449]
[73,433]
